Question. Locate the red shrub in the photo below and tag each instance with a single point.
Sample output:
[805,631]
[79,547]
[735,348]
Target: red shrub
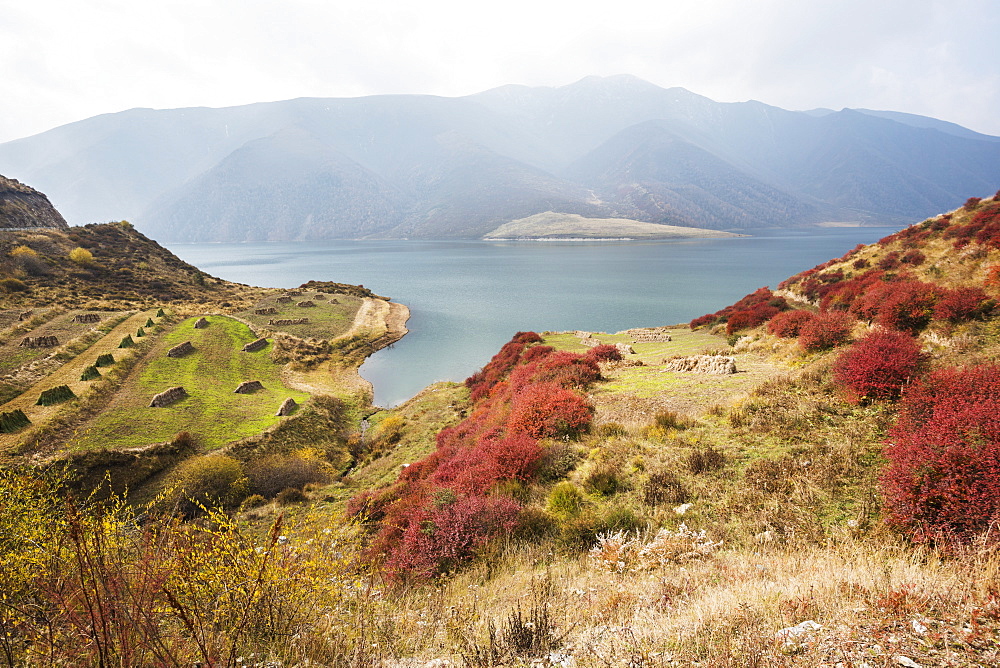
[478,468]
[944,455]
[605,352]
[750,318]
[961,304]
[972,203]
[545,410]
[878,365]
[787,324]
[913,258]
[567,369]
[826,330]
[762,297]
[905,305]
[889,261]
[447,530]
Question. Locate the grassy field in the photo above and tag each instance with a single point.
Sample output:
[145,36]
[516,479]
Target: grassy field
[327,320]
[212,413]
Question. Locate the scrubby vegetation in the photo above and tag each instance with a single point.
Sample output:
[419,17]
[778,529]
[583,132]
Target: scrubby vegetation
[568,507]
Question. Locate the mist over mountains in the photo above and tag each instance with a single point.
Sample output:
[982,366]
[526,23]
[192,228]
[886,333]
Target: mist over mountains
[412,166]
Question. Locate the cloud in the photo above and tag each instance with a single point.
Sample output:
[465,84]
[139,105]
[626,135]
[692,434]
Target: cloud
[67,60]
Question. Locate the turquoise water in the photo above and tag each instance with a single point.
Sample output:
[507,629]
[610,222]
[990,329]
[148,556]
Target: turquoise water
[467,298]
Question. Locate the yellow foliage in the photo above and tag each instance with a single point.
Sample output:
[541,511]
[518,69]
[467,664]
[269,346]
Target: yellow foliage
[23,252]
[81,256]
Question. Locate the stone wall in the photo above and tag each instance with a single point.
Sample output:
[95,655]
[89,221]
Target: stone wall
[168,397]
[650,335]
[306,304]
[87,317]
[254,346]
[719,365]
[39,342]
[201,323]
[288,406]
[288,321]
[270,310]
[281,300]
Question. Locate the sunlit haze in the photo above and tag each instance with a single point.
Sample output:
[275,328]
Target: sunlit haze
[65,61]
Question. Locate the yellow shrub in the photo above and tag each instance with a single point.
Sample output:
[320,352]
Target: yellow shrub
[81,256]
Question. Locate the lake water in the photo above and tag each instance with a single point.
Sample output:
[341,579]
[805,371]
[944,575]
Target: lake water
[467,298]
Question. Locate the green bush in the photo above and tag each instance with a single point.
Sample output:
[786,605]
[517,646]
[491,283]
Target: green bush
[106,359]
[612,430]
[566,499]
[160,313]
[140,332]
[149,322]
[55,395]
[127,342]
[207,481]
[605,480]
[12,421]
[90,373]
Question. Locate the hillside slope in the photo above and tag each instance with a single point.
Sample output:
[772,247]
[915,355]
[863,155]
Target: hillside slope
[24,207]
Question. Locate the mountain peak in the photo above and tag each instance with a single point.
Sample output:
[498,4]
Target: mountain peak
[22,206]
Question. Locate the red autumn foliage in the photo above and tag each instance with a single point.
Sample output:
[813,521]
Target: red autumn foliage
[905,305]
[545,410]
[477,468]
[943,475]
[606,352]
[760,301]
[445,531]
[826,330]
[878,365]
[787,324]
[960,304]
[439,511]
[750,318]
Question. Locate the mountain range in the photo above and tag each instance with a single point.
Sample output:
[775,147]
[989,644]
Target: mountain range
[418,166]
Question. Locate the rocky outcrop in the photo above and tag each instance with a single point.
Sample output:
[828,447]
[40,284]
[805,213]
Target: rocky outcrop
[22,207]
[270,310]
[625,349]
[201,323]
[167,397]
[306,304]
[87,317]
[280,300]
[288,407]
[719,365]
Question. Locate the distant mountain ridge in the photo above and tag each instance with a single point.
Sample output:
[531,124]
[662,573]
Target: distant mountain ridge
[401,166]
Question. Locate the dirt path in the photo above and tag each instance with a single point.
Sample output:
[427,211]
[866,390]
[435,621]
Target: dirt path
[69,374]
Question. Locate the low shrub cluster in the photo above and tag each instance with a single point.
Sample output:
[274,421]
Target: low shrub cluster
[878,366]
[943,476]
[825,330]
[446,507]
[11,421]
[751,311]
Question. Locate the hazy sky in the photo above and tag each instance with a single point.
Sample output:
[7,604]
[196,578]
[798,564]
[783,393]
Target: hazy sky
[65,60]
